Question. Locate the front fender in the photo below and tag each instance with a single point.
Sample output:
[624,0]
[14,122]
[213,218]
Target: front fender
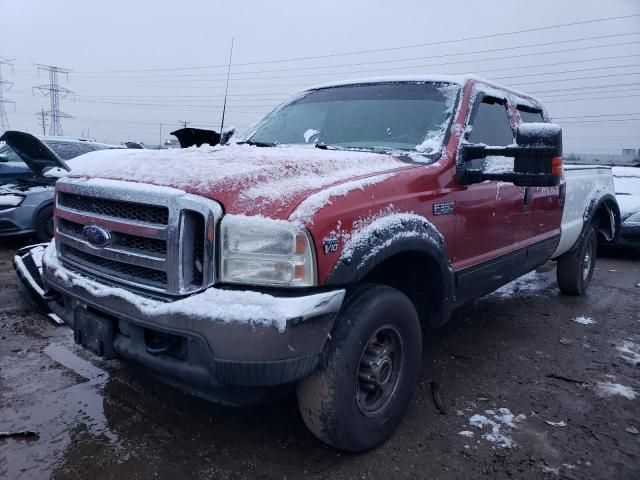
[387,237]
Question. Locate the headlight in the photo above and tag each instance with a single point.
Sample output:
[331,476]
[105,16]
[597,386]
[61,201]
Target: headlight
[10,200]
[261,251]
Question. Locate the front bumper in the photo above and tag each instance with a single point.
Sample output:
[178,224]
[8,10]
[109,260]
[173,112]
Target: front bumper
[210,339]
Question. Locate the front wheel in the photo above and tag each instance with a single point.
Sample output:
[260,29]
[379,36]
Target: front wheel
[575,268]
[357,397]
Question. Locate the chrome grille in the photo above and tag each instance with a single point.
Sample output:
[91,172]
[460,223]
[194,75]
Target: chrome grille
[112,268]
[114,208]
[161,239]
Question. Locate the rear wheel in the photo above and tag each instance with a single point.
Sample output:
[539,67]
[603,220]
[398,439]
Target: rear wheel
[575,268]
[44,224]
[357,397]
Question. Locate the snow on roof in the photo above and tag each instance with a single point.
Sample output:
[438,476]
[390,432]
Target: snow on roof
[483,85]
[457,79]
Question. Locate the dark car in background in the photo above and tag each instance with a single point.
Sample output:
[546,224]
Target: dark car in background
[627,186]
[26,193]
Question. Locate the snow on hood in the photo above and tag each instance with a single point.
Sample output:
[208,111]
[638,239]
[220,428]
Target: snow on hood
[245,179]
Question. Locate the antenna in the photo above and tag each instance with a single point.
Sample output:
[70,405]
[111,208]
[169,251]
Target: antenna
[184,123]
[4,120]
[54,91]
[226,90]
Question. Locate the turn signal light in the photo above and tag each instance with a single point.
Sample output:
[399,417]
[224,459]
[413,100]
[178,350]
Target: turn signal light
[556,166]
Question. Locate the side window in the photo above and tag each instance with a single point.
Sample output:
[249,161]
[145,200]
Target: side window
[530,115]
[491,125]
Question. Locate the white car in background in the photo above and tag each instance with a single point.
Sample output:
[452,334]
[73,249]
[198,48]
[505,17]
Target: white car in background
[627,186]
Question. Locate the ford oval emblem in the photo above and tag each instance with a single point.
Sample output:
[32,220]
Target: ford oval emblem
[96,236]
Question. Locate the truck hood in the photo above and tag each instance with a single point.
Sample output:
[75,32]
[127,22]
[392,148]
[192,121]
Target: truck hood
[246,179]
[33,151]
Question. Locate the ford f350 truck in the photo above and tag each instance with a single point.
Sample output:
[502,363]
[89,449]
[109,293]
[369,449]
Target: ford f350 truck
[316,253]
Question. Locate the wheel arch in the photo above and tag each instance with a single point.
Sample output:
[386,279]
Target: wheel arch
[410,256]
[604,214]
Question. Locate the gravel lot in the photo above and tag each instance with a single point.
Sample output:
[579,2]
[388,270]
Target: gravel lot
[519,349]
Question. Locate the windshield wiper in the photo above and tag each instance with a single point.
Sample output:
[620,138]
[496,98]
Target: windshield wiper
[324,146]
[257,144]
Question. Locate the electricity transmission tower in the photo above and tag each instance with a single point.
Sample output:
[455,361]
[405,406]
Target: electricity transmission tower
[4,121]
[55,92]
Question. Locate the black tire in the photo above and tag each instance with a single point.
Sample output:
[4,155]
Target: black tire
[44,224]
[575,268]
[357,397]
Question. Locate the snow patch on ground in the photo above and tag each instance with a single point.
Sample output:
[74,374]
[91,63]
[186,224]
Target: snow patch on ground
[608,389]
[584,320]
[494,424]
[533,283]
[629,352]
[561,423]
[466,433]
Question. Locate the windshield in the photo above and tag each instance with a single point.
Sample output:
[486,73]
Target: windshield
[389,116]
[69,150]
[8,155]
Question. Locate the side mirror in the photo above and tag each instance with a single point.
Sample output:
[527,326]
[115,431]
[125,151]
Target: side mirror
[537,159]
[3,158]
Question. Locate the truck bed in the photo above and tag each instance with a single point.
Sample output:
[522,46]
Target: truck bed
[585,185]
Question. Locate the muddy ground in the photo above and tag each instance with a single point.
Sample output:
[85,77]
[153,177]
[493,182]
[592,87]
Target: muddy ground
[519,349]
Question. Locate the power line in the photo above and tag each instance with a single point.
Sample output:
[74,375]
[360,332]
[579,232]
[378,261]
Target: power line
[564,95]
[54,91]
[387,49]
[571,89]
[428,57]
[601,115]
[590,98]
[603,121]
[179,78]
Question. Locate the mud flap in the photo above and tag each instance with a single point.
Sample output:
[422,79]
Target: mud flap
[94,333]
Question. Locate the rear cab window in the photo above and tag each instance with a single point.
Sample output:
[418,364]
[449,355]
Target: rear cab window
[491,125]
[530,114]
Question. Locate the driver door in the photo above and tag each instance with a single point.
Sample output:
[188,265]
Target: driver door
[488,214]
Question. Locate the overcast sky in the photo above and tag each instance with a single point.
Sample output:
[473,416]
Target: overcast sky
[136,64]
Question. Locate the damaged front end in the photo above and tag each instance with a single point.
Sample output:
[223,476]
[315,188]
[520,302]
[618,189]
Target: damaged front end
[28,265]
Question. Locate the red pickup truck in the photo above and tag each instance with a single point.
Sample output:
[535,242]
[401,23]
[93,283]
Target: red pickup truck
[316,252]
